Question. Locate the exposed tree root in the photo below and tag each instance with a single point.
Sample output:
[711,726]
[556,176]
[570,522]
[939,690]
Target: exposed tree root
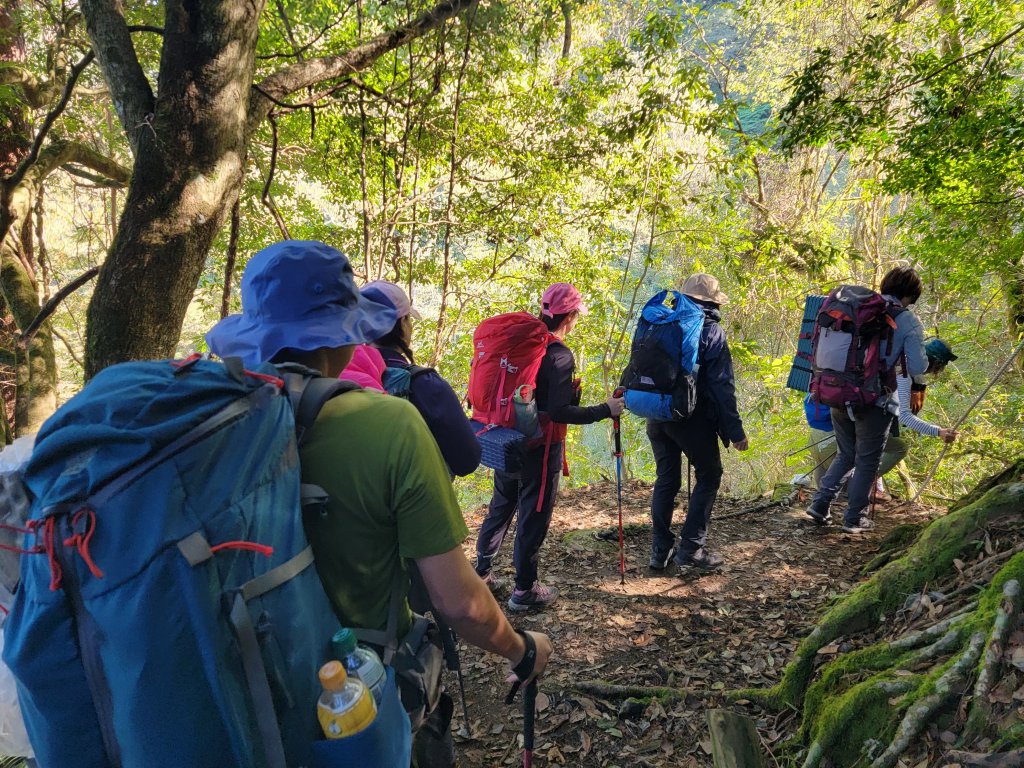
[894,543]
[869,705]
[929,558]
[1006,620]
[919,714]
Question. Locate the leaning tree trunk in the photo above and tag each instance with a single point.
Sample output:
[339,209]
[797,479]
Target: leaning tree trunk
[190,146]
[190,152]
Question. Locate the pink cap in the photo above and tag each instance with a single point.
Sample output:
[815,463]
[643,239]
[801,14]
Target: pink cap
[560,299]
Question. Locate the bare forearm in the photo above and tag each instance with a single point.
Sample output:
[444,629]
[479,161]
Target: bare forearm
[468,606]
[484,625]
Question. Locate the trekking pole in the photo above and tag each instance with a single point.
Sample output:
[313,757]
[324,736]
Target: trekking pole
[529,711]
[618,483]
[962,419]
[454,663]
[829,436]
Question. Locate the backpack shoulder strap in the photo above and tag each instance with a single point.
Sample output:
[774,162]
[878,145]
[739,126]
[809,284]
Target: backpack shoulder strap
[308,394]
[418,370]
[387,639]
[413,369]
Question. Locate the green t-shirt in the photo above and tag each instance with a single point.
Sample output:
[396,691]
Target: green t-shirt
[390,499]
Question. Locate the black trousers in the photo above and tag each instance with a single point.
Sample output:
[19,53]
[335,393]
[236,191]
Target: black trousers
[519,493]
[697,439]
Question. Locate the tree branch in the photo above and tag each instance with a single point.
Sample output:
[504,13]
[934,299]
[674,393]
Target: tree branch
[67,345]
[567,38]
[33,154]
[32,87]
[307,73]
[61,152]
[265,197]
[111,40]
[48,309]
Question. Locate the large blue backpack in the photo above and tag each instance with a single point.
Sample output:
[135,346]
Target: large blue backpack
[168,613]
[660,380]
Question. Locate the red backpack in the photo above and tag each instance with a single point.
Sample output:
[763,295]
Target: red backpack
[507,351]
[848,366]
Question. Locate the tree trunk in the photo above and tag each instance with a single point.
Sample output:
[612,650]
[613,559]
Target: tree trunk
[188,171]
[35,367]
[190,153]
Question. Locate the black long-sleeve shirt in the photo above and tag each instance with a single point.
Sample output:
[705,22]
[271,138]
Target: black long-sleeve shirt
[556,395]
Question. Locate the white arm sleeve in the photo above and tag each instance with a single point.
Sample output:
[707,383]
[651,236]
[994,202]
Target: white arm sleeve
[907,417]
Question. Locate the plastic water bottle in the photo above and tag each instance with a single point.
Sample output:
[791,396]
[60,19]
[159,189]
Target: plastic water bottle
[360,662]
[345,707]
[525,406]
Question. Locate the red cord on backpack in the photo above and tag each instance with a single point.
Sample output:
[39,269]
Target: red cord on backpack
[80,541]
[251,546]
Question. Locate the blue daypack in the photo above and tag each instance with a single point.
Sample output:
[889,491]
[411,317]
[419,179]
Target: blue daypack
[397,379]
[168,614]
[659,381]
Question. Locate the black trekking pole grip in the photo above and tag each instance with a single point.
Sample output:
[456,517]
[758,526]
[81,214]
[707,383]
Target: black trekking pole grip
[529,712]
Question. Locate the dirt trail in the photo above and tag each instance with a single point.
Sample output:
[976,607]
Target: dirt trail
[732,629]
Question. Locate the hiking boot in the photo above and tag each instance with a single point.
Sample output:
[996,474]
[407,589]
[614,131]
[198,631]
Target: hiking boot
[703,559]
[608,534]
[819,517]
[863,524]
[537,597]
[659,560]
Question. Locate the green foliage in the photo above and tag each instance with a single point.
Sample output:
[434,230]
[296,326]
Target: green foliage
[478,164]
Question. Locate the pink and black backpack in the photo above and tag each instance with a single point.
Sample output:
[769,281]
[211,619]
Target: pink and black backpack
[850,333]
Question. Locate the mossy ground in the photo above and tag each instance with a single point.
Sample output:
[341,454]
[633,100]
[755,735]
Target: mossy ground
[860,697]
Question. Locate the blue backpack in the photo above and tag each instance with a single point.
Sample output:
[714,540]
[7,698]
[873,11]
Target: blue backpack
[168,614]
[659,381]
[397,379]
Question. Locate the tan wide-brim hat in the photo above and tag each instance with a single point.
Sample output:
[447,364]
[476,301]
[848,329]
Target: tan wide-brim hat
[704,287]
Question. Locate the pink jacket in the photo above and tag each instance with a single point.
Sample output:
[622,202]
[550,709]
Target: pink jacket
[366,368]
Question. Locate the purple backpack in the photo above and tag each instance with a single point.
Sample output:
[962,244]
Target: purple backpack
[851,327]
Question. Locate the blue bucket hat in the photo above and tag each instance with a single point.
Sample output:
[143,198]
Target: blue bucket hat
[939,351]
[298,294]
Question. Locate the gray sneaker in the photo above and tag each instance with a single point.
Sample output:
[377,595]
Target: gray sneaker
[703,560]
[863,524]
[537,597]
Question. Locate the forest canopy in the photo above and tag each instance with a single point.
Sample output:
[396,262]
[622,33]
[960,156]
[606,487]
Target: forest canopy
[475,152]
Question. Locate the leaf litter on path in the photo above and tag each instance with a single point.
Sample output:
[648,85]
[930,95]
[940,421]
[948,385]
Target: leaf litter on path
[733,628]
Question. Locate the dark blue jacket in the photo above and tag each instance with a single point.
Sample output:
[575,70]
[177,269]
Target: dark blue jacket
[440,407]
[716,382]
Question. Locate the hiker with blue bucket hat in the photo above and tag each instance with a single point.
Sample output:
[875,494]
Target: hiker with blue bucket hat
[389,498]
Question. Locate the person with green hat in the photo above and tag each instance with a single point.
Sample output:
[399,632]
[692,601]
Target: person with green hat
[908,402]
